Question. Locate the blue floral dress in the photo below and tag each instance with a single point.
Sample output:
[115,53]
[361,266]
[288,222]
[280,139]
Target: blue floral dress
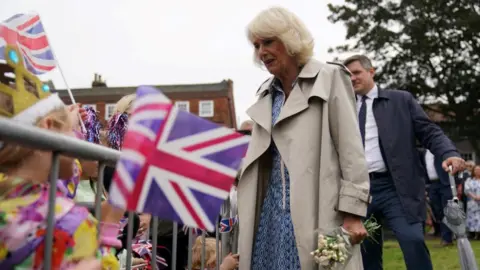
[473,207]
[275,246]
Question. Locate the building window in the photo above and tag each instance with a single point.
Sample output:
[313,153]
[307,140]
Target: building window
[93,106]
[468,156]
[183,105]
[109,110]
[205,108]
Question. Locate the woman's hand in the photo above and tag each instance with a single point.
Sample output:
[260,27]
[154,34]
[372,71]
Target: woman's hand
[144,223]
[354,226]
[230,262]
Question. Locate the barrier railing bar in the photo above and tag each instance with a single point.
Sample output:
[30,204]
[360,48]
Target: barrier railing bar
[203,251]
[98,193]
[154,230]
[42,139]
[129,240]
[217,246]
[174,245]
[190,240]
[52,191]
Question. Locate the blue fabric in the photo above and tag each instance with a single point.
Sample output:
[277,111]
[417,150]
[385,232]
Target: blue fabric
[275,245]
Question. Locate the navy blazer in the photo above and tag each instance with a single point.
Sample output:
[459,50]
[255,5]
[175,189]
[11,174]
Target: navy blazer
[401,121]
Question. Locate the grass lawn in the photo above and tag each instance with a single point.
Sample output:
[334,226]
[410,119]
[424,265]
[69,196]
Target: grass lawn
[442,258]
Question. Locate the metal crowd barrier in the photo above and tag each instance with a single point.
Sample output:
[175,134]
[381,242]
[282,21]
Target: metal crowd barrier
[36,138]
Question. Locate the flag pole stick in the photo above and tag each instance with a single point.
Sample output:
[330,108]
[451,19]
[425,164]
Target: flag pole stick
[61,73]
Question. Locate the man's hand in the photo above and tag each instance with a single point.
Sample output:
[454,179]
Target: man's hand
[458,164]
[354,226]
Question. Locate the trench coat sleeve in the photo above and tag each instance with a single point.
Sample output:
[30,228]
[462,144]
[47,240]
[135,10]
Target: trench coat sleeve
[428,133]
[354,194]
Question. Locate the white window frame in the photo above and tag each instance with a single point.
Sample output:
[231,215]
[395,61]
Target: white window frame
[202,113]
[94,106]
[107,107]
[471,154]
[183,103]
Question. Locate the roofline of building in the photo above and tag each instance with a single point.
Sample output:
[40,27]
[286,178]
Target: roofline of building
[222,86]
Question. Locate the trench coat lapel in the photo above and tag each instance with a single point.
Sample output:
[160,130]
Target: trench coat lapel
[298,99]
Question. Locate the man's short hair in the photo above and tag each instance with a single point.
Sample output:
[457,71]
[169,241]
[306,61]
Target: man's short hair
[364,61]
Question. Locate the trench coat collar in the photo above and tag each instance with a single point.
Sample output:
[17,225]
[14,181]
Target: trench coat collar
[261,111]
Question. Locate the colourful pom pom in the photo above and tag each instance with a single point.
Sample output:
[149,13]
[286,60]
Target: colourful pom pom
[92,126]
[117,127]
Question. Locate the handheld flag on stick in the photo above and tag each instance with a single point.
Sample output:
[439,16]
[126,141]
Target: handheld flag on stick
[27,32]
[175,165]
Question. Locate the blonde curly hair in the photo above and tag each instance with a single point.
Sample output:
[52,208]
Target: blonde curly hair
[281,23]
[210,253]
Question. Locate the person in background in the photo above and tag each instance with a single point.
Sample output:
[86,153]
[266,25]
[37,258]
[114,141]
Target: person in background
[460,180]
[391,122]
[115,133]
[472,192]
[230,262]
[247,125]
[439,193]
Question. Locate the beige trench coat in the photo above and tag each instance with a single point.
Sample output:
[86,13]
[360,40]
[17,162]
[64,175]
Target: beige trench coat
[319,140]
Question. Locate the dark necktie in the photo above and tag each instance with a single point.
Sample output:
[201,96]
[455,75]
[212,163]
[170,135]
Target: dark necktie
[362,118]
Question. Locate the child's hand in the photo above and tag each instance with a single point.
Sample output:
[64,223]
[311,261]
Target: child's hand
[74,114]
[91,264]
[144,222]
[230,262]
[90,168]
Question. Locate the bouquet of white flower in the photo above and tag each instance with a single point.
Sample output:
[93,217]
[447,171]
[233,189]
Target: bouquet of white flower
[333,249]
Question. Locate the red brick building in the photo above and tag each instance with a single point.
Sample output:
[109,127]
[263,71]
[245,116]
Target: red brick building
[213,101]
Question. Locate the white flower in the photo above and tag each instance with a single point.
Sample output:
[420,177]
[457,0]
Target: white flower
[324,261]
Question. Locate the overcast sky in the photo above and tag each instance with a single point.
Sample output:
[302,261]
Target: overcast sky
[166,41]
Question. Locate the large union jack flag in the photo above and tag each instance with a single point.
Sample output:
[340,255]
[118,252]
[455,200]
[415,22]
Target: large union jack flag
[175,165]
[26,32]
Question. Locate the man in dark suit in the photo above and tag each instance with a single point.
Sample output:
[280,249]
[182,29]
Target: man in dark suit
[391,122]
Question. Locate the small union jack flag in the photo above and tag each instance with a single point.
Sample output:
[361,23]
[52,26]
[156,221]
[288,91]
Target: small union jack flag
[194,231]
[226,224]
[26,32]
[175,165]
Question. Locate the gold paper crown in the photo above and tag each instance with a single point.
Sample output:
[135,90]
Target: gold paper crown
[19,89]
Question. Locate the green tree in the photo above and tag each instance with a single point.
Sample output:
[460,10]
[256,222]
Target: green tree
[428,47]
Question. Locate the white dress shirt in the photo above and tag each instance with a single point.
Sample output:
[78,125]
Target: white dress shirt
[373,153]
[430,164]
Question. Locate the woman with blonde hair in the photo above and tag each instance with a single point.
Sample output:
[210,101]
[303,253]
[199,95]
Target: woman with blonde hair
[305,168]
[116,130]
[230,262]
